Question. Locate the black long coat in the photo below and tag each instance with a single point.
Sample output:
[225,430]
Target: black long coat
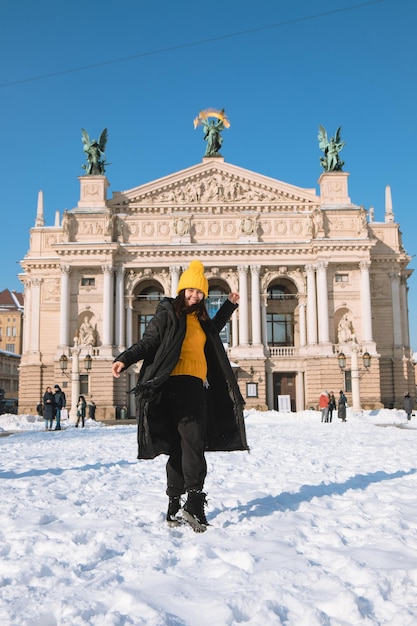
[48,405]
[160,349]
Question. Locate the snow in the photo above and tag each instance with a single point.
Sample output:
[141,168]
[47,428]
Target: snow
[316,526]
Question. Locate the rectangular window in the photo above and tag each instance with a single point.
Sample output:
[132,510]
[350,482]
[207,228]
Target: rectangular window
[10,347]
[143,322]
[8,331]
[251,390]
[87,281]
[13,331]
[214,302]
[84,384]
[342,278]
[280,329]
[348,381]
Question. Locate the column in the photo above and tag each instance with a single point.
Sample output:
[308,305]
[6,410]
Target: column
[396,310]
[302,321]
[264,324]
[35,314]
[174,270]
[120,310]
[270,391]
[323,302]
[107,305]
[235,332]
[256,305]
[27,316]
[366,301]
[243,305]
[64,315]
[356,394]
[404,309]
[311,305]
[129,321]
[75,381]
[299,392]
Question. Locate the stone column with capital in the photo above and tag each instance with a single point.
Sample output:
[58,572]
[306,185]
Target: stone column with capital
[120,309]
[323,302]
[302,320]
[243,305]
[129,321]
[174,271]
[64,306]
[311,305]
[256,305]
[107,305]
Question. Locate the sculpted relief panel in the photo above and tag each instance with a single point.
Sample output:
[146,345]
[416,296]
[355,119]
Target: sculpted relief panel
[217,188]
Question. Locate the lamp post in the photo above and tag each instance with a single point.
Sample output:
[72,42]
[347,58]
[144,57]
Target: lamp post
[356,373]
[75,375]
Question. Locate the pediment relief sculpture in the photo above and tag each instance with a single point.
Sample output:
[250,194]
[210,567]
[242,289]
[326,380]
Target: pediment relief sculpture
[217,188]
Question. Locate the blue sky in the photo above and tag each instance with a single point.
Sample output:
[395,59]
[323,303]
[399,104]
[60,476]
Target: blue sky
[145,69]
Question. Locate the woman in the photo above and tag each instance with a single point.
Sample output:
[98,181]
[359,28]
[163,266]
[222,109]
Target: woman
[341,406]
[188,400]
[81,407]
[48,408]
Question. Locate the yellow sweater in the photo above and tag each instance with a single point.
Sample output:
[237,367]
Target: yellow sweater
[192,361]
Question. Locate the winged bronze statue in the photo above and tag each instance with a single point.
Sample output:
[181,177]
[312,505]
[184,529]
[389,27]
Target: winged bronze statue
[331,161]
[96,159]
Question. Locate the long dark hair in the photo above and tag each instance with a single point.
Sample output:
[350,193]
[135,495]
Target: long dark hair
[180,306]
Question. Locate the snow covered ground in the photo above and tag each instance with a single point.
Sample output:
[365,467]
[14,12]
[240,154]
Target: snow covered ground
[316,526]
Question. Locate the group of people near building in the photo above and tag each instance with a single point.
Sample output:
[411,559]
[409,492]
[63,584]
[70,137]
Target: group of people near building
[327,404]
[53,404]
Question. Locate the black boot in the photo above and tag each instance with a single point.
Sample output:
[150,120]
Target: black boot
[193,511]
[174,506]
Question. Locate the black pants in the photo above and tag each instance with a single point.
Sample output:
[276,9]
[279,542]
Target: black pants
[184,405]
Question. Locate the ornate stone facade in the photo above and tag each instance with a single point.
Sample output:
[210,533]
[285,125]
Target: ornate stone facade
[303,262]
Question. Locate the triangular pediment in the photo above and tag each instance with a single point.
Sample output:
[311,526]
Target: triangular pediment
[214,182]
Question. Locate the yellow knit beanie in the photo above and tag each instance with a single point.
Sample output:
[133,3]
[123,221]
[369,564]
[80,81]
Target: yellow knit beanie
[193,278]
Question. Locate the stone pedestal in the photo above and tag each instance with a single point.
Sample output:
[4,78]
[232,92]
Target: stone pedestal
[334,188]
[93,192]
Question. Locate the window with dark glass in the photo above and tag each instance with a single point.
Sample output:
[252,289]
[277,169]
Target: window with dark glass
[87,281]
[143,322]
[151,294]
[214,301]
[280,329]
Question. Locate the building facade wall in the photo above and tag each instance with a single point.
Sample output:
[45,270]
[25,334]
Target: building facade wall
[108,258]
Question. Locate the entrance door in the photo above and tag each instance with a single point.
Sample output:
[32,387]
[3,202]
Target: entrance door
[284,385]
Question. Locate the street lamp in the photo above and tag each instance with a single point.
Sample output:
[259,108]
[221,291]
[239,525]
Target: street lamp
[356,372]
[75,375]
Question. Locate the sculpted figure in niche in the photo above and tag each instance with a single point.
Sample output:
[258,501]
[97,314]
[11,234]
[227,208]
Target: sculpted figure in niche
[86,333]
[345,330]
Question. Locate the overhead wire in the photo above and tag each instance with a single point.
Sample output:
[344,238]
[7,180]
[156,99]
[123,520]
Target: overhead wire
[141,55]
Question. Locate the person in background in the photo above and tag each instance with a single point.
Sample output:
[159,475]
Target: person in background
[81,407]
[324,406]
[60,403]
[332,405]
[91,409]
[39,409]
[408,405]
[341,406]
[188,400]
[48,408]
